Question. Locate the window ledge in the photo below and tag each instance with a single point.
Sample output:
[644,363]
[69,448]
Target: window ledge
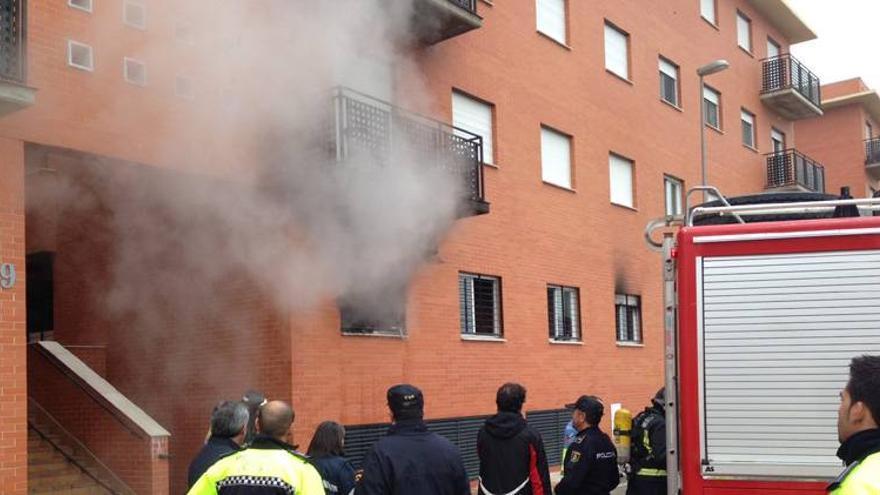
[626,207]
[716,129]
[714,25]
[491,165]
[747,52]
[488,2]
[565,342]
[630,344]
[671,105]
[557,186]
[554,40]
[376,335]
[618,76]
[481,338]
[751,148]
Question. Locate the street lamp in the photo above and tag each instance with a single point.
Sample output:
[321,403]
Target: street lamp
[708,69]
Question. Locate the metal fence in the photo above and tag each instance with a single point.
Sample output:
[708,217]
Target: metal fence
[12,40]
[872,151]
[787,72]
[791,168]
[469,5]
[367,127]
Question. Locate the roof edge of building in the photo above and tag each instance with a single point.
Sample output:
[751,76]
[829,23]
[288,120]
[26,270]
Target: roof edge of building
[784,18]
[868,99]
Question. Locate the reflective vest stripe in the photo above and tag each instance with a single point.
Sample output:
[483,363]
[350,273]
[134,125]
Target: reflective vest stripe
[651,472]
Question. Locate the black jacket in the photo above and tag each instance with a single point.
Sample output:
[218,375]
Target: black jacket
[590,465]
[854,450]
[337,473]
[214,449]
[410,460]
[649,440]
[511,453]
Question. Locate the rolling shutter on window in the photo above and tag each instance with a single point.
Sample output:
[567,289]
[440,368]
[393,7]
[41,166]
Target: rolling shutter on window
[616,57]
[551,19]
[476,117]
[707,10]
[778,335]
[743,32]
[621,173]
[555,158]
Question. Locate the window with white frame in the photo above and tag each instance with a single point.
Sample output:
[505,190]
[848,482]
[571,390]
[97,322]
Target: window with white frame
[744,32]
[134,71]
[777,139]
[475,117]
[707,10]
[712,101]
[480,301]
[773,48]
[668,81]
[80,55]
[551,19]
[563,310]
[674,194]
[616,51]
[628,311]
[134,14]
[748,128]
[555,157]
[84,5]
[869,130]
[621,172]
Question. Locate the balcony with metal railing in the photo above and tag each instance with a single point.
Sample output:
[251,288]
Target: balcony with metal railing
[872,157]
[14,94]
[438,20]
[790,89]
[366,127]
[793,171]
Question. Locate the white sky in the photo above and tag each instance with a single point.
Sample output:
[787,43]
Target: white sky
[846,46]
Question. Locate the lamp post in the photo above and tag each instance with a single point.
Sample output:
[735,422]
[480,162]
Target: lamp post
[708,69]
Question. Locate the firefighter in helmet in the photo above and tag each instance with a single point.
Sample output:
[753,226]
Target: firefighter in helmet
[648,449]
[857,429]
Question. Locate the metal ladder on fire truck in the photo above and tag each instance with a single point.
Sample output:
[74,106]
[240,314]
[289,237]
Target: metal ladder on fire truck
[670,300]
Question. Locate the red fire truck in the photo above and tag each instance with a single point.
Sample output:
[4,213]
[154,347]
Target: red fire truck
[762,319]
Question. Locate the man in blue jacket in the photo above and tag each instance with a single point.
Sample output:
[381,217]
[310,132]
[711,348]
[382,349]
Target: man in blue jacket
[411,460]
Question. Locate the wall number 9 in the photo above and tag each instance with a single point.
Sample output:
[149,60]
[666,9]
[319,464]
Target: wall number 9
[7,276]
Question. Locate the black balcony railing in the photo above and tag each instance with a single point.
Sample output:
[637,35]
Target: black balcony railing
[12,40]
[872,151]
[787,72]
[365,126]
[790,168]
[469,5]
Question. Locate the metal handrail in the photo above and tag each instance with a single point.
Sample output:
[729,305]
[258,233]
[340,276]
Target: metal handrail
[786,72]
[469,5]
[791,167]
[872,204]
[872,150]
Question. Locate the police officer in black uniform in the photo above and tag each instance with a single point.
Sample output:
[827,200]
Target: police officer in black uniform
[591,461]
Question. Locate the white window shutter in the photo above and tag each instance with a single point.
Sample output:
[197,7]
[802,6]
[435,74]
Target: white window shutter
[772,49]
[551,19]
[555,158]
[668,69]
[712,96]
[616,48]
[707,10]
[476,117]
[621,172]
[743,32]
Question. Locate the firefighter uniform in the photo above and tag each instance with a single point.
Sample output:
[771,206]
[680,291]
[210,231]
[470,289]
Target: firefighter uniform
[267,467]
[861,452]
[590,465]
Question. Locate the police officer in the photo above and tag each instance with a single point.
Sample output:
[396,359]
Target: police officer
[648,465]
[857,429]
[591,461]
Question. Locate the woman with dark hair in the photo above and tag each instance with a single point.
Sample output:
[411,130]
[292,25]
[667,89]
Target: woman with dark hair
[326,454]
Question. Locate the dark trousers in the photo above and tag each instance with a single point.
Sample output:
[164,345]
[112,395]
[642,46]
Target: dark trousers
[646,485]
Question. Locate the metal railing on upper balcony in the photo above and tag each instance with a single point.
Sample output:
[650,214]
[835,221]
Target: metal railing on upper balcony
[469,5]
[12,40]
[382,131]
[786,72]
[790,168]
[872,151]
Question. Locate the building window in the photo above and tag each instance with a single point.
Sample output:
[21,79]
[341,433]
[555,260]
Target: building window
[712,101]
[674,195]
[551,19]
[628,309]
[480,300]
[621,172]
[40,293]
[777,138]
[668,81]
[744,32]
[134,14]
[80,55]
[475,117]
[135,71]
[748,128]
[773,48]
[563,309]
[555,157]
[85,5]
[869,131]
[707,10]
[616,51]
[375,311]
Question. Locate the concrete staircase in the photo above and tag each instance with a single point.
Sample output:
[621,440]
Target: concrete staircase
[51,471]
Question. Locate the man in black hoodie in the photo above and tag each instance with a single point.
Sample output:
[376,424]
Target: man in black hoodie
[512,457]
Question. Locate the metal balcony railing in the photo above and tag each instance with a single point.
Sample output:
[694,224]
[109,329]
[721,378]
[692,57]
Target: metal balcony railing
[791,168]
[469,5]
[12,40]
[872,151]
[787,72]
[368,127]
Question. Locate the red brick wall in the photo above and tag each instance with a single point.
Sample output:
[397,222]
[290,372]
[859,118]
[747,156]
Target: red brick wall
[13,377]
[836,140]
